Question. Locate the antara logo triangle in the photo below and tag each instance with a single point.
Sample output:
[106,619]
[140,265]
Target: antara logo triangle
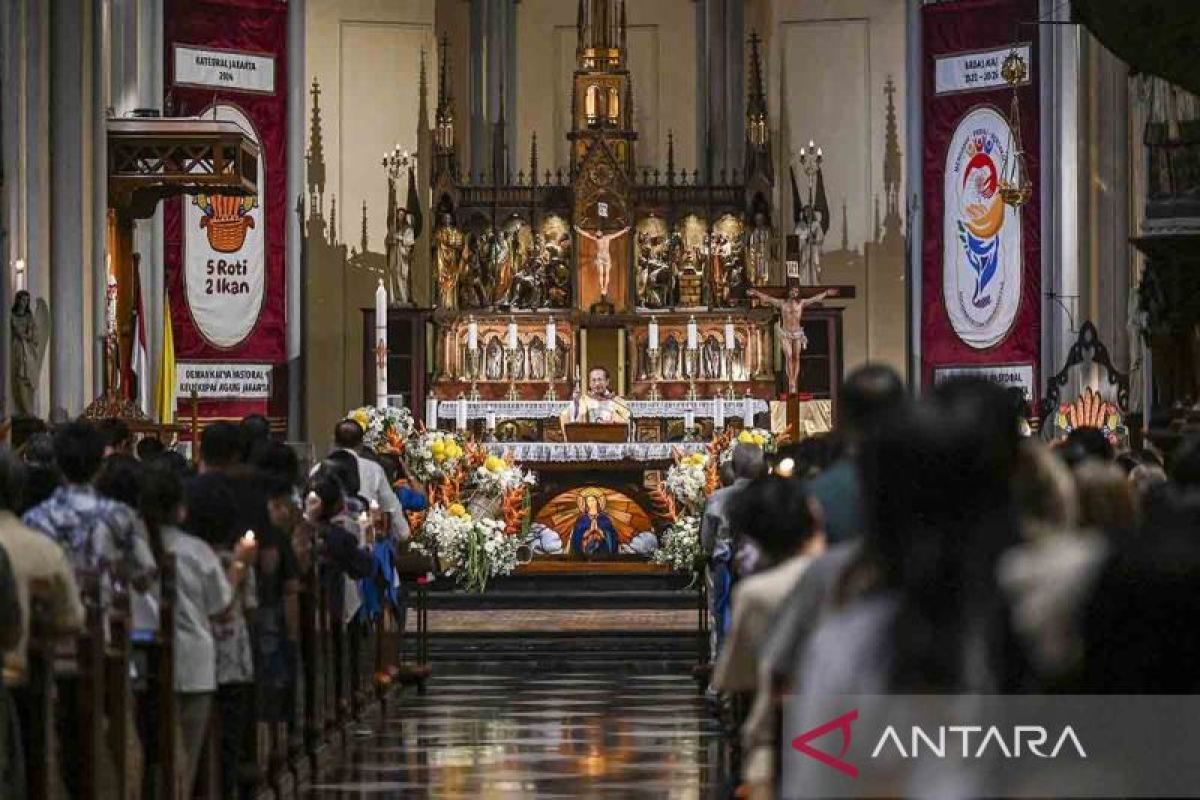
[843,724]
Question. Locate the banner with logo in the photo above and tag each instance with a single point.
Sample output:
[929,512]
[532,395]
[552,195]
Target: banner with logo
[981,258]
[226,256]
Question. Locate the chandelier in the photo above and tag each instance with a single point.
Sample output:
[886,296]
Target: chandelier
[1015,186]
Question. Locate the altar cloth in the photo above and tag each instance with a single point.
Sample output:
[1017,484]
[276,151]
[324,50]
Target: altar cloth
[569,452]
[638,409]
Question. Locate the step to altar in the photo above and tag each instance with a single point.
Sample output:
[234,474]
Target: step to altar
[535,622]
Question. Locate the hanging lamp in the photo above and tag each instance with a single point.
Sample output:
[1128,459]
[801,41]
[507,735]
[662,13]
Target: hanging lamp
[1015,186]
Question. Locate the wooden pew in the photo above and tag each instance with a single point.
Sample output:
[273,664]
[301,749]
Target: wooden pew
[37,722]
[88,695]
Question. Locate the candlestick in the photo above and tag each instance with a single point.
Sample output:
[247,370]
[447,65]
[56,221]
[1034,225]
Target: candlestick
[489,420]
[689,418]
[512,335]
[719,413]
[692,334]
[653,354]
[431,409]
[460,417]
[381,346]
[551,372]
[652,337]
[748,411]
[20,278]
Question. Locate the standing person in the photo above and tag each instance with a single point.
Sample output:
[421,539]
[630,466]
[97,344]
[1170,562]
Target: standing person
[202,591]
[211,517]
[41,573]
[716,538]
[372,480]
[100,536]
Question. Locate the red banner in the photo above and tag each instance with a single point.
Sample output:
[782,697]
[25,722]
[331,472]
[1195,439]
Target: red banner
[225,257]
[981,258]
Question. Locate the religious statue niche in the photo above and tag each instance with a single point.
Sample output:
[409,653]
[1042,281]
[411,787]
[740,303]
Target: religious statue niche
[671,359]
[601,230]
[710,361]
[689,248]
[493,359]
[29,327]
[537,359]
[594,520]
[552,256]
[727,262]
[516,253]
[758,245]
[656,283]
[450,260]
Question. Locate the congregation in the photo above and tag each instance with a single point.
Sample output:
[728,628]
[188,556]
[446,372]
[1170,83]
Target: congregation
[927,546]
[240,562]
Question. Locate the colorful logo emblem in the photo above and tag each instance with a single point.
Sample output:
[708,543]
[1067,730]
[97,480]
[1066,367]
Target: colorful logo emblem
[982,235]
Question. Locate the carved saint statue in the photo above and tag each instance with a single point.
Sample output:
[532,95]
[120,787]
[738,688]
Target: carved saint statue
[603,257]
[400,242]
[30,331]
[758,256]
[812,236]
[449,247]
[791,333]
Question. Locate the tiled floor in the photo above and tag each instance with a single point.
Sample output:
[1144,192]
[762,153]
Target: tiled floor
[568,736]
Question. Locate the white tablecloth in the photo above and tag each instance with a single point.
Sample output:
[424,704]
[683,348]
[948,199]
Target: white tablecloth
[549,409]
[567,452]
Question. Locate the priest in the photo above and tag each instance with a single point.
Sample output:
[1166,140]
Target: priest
[599,404]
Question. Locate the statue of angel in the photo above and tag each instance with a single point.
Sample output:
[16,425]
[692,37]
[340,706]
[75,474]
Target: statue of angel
[30,327]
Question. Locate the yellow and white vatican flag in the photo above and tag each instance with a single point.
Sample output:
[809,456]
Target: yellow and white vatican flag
[165,394]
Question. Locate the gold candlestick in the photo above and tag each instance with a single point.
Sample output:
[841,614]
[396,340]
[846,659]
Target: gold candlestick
[654,356]
[473,357]
[692,358]
[551,373]
[510,366]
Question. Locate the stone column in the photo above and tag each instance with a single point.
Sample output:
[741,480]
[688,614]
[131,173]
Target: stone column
[297,128]
[477,75]
[714,148]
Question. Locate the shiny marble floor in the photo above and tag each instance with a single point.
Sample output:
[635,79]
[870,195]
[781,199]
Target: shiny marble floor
[566,736]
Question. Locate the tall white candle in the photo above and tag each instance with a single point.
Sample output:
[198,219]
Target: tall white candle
[512,335]
[551,334]
[719,413]
[461,416]
[489,421]
[431,409]
[21,278]
[653,334]
[692,334]
[381,343]
[472,335]
[748,411]
[689,418]
[730,342]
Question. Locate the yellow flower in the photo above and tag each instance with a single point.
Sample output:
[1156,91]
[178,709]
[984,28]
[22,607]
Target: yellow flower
[438,448]
[494,464]
[457,510]
[360,416]
[745,437]
[758,439]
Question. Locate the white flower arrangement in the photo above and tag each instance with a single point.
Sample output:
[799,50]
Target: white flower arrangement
[687,481]
[434,454]
[496,477]
[473,550]
[755,436]
[679,547]
[385,430]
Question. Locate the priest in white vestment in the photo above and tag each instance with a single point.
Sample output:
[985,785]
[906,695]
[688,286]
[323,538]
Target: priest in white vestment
[599,404]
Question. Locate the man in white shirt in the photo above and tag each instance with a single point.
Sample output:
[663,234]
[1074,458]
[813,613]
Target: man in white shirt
[373,482]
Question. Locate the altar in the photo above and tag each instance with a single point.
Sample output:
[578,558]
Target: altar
[673,285]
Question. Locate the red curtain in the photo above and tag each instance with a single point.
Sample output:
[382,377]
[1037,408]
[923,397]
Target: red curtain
[953,29]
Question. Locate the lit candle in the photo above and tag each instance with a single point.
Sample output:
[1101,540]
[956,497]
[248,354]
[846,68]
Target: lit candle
[489,421]
[19,269]
[381,345]
[653,335]
[689,418]
[693,336]
[431,409]
[811,144]
[461,416]
[551,334]
[512,335]
[472,335]
[730,342]
[719,413]
[248,537]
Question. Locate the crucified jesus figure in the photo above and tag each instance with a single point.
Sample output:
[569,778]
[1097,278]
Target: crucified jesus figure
[603,258]
[791,334]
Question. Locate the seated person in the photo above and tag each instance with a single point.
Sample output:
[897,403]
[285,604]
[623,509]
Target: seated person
[599,404]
